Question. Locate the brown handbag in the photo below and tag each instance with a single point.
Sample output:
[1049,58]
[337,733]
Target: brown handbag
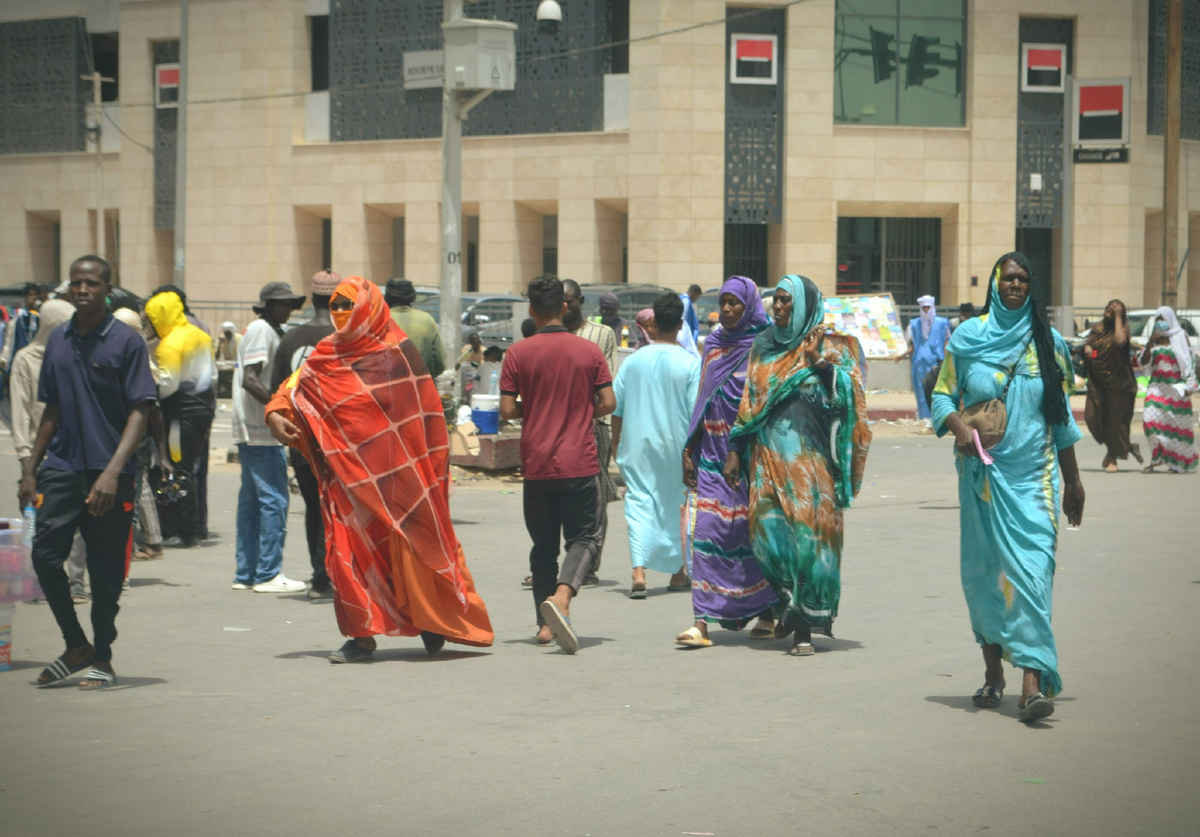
[990,418]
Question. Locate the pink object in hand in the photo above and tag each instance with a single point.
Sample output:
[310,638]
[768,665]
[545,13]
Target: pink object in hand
[983,454]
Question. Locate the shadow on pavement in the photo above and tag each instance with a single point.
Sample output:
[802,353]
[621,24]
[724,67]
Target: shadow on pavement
[150,582]
[823,644]
[390,655]
[71,682]
[454,522]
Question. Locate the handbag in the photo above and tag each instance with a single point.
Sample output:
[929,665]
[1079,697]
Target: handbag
[990,418]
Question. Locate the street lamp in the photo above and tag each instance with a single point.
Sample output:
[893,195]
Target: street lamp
[478,58]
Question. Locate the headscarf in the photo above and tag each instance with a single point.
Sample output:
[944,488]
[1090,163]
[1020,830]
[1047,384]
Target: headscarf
[778,367]
[376,423]
[1180,346]
[643,319]
[927,317]
[997,336]
[53,313]
[613,320]
[726,350]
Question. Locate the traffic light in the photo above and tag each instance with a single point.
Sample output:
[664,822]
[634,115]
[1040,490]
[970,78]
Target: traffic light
[883,57]
[920,59]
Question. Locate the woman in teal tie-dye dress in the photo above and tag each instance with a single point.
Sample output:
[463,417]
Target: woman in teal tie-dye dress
[1009,509]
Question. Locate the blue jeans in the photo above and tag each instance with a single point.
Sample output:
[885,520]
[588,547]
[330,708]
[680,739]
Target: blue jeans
[262,513]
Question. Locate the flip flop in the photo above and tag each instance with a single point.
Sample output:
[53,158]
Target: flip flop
[988,697]
[763,629]
[97,679]
[1036,707]
[60,669]
[527,581]
[637,590]
[802,649]
[543,641]
[692,638]
[560,625]
[679,588]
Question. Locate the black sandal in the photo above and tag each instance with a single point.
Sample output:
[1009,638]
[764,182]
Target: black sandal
[988,697]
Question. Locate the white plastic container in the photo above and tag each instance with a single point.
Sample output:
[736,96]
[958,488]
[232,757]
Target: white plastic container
[481,401]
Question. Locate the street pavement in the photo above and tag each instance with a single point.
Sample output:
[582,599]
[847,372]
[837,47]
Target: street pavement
[230,720]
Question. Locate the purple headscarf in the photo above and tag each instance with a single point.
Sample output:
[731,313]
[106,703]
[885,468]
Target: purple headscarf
[726,351]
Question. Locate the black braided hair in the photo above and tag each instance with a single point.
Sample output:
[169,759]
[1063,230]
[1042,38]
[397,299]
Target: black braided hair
[1054,400]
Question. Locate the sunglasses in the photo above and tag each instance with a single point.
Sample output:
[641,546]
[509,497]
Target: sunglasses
[341,304]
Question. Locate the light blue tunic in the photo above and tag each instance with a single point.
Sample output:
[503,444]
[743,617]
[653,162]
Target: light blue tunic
[656,390]
[1009,510]
[927,353]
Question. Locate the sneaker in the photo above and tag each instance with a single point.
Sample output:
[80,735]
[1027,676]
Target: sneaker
[237,585]
[591,580]
[319,593]
[125,585]
[281,584]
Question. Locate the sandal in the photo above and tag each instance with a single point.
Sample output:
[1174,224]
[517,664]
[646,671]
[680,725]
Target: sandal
[637,590]
[693,638]
[988,697]
[351,652]
[527,581]
[1036,707]
[802,649]
[560,625]
[97,679]
[60,668]
[1136,450]
[764,628]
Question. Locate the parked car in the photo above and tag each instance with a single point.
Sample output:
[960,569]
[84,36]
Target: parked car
[633,298]
[489,314]
[1141,324]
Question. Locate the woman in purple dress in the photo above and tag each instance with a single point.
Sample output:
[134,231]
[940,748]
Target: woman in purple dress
[727,585]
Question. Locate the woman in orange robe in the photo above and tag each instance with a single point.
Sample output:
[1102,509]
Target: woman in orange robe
[367,416]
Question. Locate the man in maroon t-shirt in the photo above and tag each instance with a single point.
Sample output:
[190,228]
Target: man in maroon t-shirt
[564,383]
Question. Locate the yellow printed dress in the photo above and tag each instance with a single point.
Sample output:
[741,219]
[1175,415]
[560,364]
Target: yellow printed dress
[1009,510]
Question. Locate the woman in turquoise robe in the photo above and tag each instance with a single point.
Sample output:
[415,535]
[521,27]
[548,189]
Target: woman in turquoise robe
[1009,509]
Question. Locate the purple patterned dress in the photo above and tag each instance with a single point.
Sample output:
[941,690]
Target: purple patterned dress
[727,585]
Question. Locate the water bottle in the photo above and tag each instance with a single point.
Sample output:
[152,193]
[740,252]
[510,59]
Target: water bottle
[494,383]
[27,527]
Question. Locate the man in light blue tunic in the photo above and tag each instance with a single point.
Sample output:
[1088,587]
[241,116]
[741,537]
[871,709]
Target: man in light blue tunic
[1008,497]
[656,389]
[927,338]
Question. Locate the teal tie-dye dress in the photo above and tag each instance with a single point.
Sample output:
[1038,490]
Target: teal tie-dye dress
[1009,509]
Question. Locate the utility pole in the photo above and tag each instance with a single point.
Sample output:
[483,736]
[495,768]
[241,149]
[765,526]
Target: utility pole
[450,305]
[1171,152]
[178,277]
[95,78]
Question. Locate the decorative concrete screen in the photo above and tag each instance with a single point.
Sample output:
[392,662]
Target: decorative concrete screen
[42,95]
[165,121]
[1040,133]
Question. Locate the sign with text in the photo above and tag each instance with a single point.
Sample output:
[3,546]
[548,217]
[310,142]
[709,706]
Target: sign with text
[1101,155]
[872,319]
[1043,68]
[1101,111]
[423,69]
[753,59]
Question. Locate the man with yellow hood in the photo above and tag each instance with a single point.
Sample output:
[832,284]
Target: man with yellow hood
[187,374]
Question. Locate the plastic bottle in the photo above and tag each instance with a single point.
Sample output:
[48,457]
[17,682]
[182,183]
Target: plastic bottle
[494,383]
[27,527]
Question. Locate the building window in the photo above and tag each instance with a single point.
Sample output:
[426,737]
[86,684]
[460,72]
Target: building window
[318,41]
[900,62]
[900,256]
[1156,70]
[746,252]
[105,54]
[550,244]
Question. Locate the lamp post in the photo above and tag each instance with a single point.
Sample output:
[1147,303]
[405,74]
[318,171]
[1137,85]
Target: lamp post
[478,57]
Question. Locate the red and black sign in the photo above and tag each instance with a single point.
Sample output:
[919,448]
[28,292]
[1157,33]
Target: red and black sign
[166,85]
[1043,68]
[753,59]
[1102,111]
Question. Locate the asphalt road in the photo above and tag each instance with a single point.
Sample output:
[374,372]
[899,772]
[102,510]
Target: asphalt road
[230,719]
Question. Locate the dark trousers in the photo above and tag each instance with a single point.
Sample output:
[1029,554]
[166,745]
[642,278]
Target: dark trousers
[314,526]
[566,508]
[182,518]
[62,511]
[202,490]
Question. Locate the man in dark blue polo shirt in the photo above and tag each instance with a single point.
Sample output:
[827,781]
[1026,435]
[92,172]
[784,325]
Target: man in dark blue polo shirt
[97,387]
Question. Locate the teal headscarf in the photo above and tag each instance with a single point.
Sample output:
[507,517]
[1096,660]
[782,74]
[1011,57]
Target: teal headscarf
[786,369]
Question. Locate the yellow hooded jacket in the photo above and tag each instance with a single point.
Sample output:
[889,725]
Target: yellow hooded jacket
[186,365]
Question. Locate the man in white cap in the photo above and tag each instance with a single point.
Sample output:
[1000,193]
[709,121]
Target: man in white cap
[263,498]
[927,338]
